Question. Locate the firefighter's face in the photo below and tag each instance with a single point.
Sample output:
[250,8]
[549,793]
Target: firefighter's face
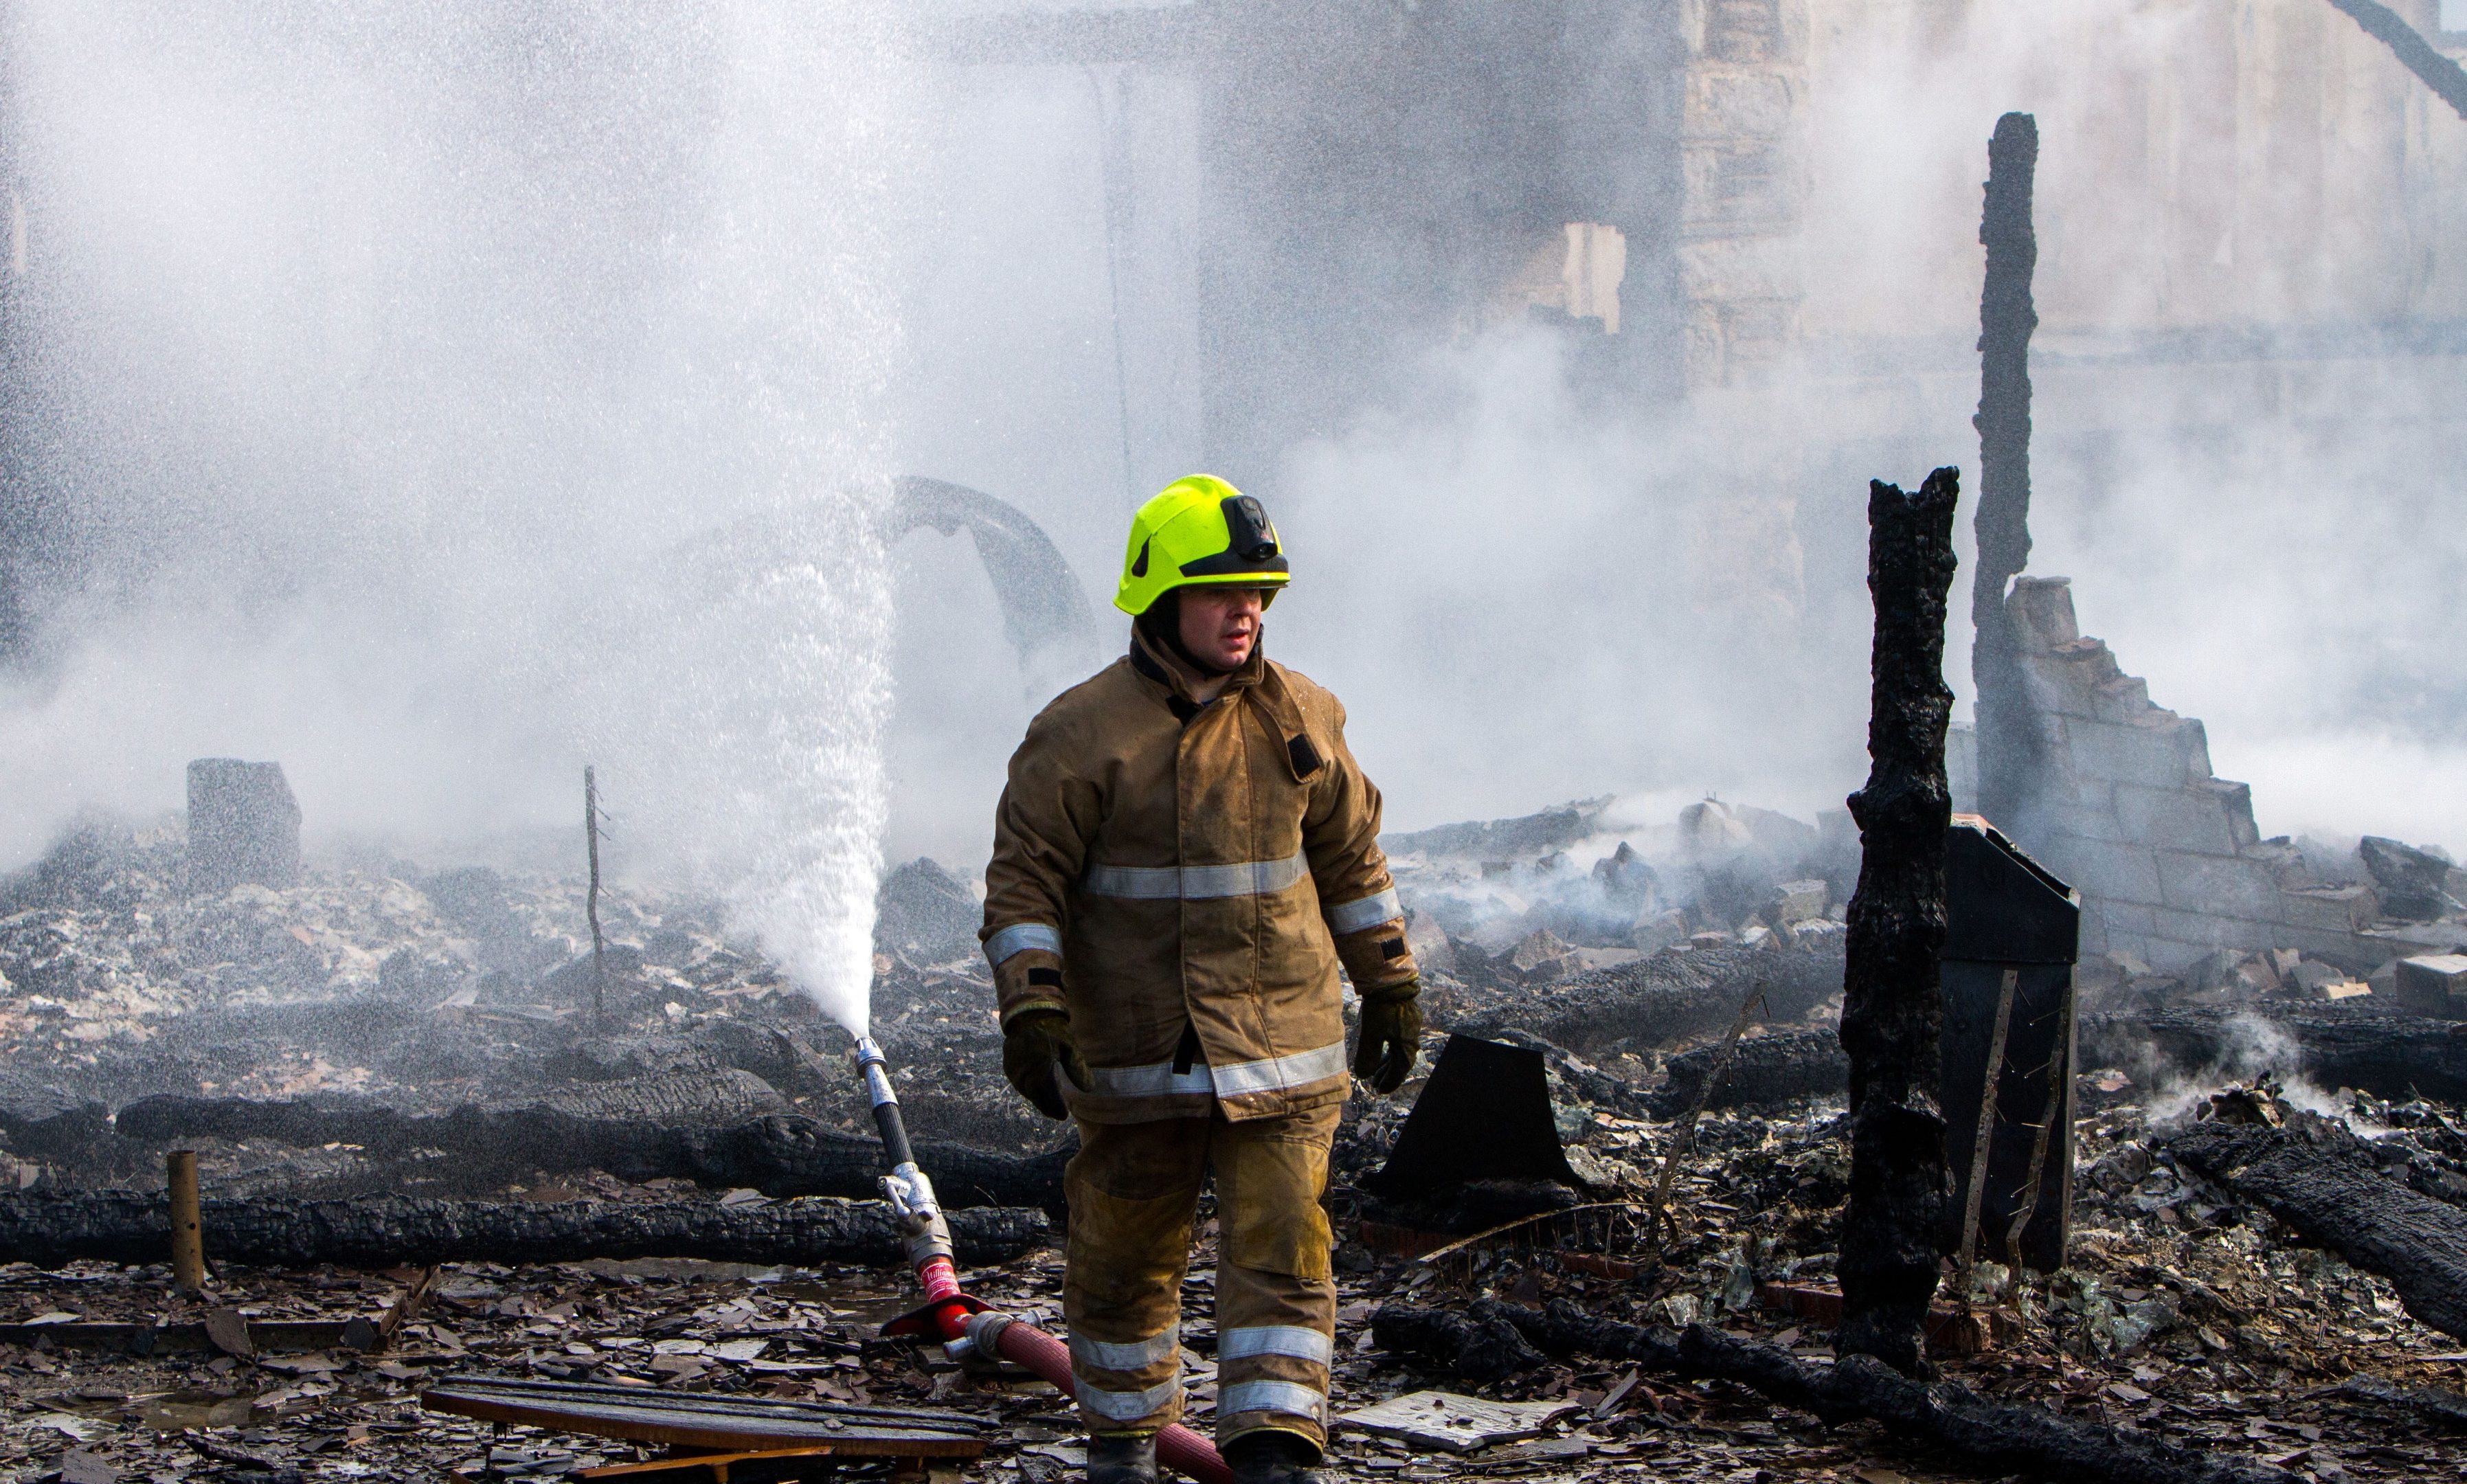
[1221,623]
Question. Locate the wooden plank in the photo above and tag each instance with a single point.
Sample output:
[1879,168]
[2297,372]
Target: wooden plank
[764,1464]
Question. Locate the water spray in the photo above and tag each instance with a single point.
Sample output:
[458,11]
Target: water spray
[963,1324]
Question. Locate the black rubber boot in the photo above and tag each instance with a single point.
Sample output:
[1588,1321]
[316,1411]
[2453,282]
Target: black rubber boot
[1122,1458]
[1274,1457]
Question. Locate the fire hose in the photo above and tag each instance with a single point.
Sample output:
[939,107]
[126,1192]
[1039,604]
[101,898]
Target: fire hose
[963,1324]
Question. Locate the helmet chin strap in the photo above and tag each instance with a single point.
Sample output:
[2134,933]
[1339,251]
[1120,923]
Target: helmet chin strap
[1166,630]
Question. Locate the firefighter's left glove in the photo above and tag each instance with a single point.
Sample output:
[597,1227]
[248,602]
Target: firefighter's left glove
[1391,1035]
[1033,1041]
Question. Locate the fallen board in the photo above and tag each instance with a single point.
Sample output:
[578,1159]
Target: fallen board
[730,1424]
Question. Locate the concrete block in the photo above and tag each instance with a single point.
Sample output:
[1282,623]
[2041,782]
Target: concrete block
[2235,801]
[2094,935]
[2090,813]
[2126,698]
[2127,916]
[2221,886]
[2085,665]
[2433,985]
[2115,873]
[2195,739]
[2207,931]
[2044,608]
[2185,819]
[2162,755]
[2334,909]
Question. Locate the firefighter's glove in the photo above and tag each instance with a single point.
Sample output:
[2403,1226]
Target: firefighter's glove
[1391,1035]
[1033,1041]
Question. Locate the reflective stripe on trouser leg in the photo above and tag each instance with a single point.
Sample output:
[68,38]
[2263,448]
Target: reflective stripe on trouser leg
[1276,1288]
[1121,1290]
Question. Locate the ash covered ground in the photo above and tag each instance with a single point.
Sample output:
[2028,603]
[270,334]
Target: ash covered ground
[2188,1311]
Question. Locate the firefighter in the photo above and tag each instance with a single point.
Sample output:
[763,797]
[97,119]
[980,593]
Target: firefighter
[1185,853]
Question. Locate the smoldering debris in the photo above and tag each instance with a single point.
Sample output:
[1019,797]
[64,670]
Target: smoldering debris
[139,1016]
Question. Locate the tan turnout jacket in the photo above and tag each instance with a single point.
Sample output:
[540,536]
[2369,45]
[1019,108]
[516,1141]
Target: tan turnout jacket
[1185,881]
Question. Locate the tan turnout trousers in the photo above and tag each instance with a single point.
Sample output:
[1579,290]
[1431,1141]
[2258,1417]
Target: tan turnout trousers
[1133,1189]
[1186,879]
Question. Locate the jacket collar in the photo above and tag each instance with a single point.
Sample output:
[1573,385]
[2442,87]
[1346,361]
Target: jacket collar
[1169,678]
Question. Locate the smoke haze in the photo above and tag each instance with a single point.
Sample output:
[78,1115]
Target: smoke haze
[391,357]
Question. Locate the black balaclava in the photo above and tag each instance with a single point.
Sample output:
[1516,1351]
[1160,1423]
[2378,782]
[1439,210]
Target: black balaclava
[1162,623]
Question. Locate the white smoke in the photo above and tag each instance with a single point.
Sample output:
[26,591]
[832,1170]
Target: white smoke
[447,396]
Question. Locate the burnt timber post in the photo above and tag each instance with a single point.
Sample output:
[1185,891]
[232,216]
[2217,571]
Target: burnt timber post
[1893,1008]
[2012,752]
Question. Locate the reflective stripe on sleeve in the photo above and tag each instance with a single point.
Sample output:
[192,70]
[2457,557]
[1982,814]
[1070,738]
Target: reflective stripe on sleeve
[1271,1396]
[1196,884]
[1269,1074]
[1275,1339]
[1019,938]
[1112,1355]
[1126,1405]
[1351,917]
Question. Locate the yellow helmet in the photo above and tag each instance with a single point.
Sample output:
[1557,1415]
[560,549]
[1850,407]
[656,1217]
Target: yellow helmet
[1199,532]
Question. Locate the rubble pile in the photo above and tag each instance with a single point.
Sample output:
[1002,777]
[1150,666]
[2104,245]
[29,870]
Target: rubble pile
[376,990]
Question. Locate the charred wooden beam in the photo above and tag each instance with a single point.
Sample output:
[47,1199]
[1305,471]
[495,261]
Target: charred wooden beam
[1662,999]
[2013,745]
[1891,1001]
[2324,1181]
[2396,1057]
[779,1154]
[2445,77]
[1767,1071]
[1988,1435]
[135,1227]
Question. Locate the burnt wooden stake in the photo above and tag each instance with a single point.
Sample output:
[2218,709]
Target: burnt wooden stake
[591,902]
[2012,749]
[1891,1001]
[188,1233]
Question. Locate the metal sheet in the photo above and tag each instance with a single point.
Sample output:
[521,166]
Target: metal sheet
[699,1420]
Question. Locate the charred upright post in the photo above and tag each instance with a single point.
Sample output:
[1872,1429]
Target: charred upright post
[1891,1007]
[2011,750]
[591,901]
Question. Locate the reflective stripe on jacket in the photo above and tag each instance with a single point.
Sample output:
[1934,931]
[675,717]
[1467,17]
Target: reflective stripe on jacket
[1161,867]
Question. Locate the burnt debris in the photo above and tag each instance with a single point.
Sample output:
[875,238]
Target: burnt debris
[1891,1005]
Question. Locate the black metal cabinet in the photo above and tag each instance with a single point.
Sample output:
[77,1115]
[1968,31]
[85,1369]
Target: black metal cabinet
[2012,933]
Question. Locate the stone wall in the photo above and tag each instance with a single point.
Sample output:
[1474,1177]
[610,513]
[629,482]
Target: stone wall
[2164,852]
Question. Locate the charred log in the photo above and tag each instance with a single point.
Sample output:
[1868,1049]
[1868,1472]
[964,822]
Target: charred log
[134,1226]
[1663,999]
[2012,747]
[1892,1005]
[2395,1056]
[1482,1347]
[783,1154]
[1766,1072]
[1988,1435]
[2324,1181]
